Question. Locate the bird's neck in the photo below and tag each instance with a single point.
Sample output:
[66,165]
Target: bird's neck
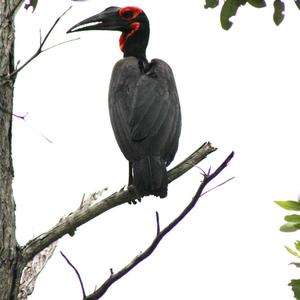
[135,42]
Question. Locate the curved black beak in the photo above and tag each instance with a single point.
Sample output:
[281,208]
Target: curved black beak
[109,19]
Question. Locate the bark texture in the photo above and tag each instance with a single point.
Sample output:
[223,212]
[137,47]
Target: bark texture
[8,243]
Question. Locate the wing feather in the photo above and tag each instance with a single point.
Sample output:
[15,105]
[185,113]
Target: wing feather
[150,105]
[144,110]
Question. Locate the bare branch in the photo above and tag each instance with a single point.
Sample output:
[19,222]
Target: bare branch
[190,161]
[77,273]
[218,185]
[22,117]
[61,43]
[116,276]
[42,43]
[86,213]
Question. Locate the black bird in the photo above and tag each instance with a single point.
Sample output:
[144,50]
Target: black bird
[143,101]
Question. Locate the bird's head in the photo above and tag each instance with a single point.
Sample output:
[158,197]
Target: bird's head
[130,20]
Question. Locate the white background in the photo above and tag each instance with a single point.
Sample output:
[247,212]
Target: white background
[238,89]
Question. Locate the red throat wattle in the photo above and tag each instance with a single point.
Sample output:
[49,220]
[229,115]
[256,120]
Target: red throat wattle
[124,36]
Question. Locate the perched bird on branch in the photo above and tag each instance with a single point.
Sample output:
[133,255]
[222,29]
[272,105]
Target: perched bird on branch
[143,101]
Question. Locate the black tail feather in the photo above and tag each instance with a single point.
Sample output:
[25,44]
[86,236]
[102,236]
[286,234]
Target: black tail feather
[150,176]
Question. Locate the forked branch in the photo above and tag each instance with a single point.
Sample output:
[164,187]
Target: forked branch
[160,234]
[42,43]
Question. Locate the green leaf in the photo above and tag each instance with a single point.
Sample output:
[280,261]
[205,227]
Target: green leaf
[293,252]
[211,3]
[278,15]
[229,9]
[289,205]
[289,227]
[297,245]
[295,284]
[257,3]
[32,3]
[292,218]
[296,264]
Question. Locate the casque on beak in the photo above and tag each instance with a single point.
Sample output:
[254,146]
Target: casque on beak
[109,19]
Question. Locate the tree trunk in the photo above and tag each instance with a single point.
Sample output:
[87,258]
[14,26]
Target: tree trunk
[8,243]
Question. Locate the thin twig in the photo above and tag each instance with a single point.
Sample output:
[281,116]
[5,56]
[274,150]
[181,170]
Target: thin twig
[77,273]
[42,135]
[22,117]
[41,38]
[202,172]
[42,43]
[157,223]
[82,200]
[116,276]
[61,43]
[222,183]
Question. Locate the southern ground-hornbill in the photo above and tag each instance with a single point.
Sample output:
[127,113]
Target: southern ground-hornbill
[143,101]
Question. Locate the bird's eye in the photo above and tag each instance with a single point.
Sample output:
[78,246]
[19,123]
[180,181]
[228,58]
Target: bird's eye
[127,14]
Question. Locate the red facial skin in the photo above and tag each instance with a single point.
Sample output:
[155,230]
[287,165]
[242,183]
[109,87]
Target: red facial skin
[135,11]
[129,13]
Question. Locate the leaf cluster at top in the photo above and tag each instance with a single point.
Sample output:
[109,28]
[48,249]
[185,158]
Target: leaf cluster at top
[230,8]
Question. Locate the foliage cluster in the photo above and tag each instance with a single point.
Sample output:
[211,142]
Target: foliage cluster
[293,224]
[230,8]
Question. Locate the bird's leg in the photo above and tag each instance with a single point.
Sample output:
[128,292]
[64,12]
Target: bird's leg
[132,188]
[130,177]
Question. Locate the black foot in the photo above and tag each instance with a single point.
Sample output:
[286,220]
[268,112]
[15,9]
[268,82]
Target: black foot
[132,190]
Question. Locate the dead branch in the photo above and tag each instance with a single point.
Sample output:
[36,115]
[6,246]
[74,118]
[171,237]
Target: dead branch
[160,234]
[85,213]
[42,43]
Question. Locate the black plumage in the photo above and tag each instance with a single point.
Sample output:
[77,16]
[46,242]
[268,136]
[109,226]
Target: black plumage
[143,101]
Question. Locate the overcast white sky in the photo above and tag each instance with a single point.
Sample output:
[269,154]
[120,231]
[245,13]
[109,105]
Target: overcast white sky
[238,89]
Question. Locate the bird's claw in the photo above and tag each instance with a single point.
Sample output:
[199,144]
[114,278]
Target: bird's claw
[132,190]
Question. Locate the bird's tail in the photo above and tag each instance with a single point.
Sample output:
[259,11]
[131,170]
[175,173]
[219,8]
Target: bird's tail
[150,176]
